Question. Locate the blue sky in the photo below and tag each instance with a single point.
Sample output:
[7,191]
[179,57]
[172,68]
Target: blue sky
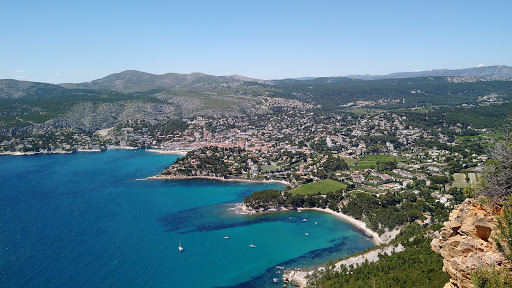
[78,41]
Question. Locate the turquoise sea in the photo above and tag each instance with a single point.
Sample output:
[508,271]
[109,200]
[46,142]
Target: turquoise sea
[85,220]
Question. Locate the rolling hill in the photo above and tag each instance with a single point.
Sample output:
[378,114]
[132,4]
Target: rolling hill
[102,103]
[497,71]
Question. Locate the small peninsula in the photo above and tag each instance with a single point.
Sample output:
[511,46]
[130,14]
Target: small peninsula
[221,164]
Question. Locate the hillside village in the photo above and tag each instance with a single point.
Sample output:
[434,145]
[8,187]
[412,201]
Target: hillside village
[375,153]
[380,151]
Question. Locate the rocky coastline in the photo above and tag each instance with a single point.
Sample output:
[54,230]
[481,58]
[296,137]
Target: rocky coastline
[174,177]
[466,243]
[19,153]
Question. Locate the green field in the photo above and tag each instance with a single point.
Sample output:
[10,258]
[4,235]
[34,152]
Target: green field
[460,180]
[380,157]
[324,187]
[370,161]
[350,161]
[473,178]
[268,168]
[361,165]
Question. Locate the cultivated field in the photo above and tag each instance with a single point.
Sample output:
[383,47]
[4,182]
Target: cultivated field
[324,187]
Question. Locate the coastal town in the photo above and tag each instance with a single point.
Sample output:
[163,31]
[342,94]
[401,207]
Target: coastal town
[376,152]
[380,170]
[376,169]
[280,144]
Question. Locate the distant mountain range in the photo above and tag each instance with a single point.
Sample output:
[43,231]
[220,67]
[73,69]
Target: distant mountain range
[498,71]
[136,81]
[128,95]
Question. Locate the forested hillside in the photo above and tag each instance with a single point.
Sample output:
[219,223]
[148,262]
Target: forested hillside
[25,106]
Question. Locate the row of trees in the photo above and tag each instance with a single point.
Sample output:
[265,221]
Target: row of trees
[267,199]
[417,266]
[381,213]
[390,210]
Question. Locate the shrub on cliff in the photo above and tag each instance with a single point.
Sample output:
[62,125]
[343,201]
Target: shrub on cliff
[497,187]
[497,176]
[503,238]
[491,278]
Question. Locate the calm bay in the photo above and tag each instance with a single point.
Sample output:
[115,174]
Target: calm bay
[85,220]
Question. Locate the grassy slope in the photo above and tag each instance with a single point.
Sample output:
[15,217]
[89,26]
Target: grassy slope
[370,161]
[459,180]
[324,187]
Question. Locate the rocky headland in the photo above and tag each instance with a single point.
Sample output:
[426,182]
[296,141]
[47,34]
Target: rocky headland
[466,243]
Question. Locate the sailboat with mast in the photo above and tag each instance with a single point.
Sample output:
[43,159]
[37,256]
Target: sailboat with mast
[252,246]
[179,246]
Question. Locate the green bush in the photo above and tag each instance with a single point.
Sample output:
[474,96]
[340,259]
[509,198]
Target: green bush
[491,278]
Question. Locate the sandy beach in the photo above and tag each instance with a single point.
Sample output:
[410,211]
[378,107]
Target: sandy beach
[300,277]
[122,147]
[359,224]
[243,209]
[165,151]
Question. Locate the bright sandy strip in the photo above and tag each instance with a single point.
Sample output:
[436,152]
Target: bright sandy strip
[299,277]
[122,147]
[242,208]
[359,224]
[163,151]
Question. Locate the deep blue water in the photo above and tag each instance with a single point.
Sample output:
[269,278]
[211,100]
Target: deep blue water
[84,220]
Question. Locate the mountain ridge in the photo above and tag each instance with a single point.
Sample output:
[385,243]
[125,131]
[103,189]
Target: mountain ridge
[137,81]
[495,71]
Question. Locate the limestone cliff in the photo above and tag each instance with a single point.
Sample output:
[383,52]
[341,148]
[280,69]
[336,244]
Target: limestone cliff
[466,243]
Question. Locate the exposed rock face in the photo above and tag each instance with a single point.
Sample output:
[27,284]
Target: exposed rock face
[465,243]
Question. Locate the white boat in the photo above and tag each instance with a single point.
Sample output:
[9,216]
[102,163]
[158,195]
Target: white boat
[226,237]
[316,223]
[307,234]
[304,220]
[252,246]
[179,246]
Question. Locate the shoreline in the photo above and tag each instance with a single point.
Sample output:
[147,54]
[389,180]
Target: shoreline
[172,152]
[243,209]
[301,278]
[357,223]
[122,147]
[79,150]
[168,177]
[29,153]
